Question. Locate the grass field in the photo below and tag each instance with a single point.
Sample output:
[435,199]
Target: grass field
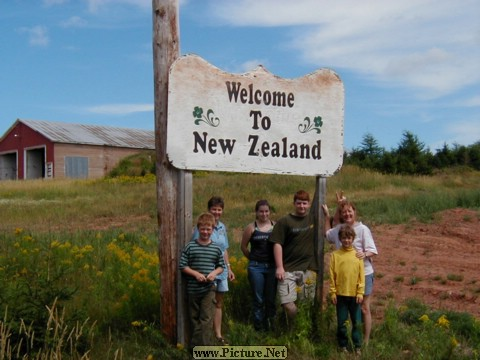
[79,265]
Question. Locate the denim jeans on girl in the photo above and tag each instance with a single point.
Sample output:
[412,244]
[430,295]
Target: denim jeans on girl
[264,288]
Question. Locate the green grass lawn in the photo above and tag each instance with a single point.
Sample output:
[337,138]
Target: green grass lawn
[79,265]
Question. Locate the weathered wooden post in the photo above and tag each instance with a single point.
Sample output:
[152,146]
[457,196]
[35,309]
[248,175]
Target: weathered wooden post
[320,198]
[171,206]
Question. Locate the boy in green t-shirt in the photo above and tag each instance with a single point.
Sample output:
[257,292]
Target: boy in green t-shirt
[294,253]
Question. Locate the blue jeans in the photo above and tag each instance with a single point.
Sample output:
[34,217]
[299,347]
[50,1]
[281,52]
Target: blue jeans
[264,288]
[347,307]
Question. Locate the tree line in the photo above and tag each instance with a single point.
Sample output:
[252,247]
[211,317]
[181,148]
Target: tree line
[412,157]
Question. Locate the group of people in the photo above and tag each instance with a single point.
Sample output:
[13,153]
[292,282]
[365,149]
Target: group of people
[282,261]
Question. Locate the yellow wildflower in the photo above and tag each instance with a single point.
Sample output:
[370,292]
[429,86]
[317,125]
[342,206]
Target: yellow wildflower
[54,244]
[66,245]
[424,318]
[87,249]
[141,275]
[18,231]
[311,280]
[443,322]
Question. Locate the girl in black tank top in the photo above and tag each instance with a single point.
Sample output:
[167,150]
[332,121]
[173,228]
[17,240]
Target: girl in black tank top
[261,266]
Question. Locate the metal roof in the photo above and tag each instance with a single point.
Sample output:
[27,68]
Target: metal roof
[69,133]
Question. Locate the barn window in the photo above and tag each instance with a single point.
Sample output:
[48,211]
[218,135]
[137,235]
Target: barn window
[76,167]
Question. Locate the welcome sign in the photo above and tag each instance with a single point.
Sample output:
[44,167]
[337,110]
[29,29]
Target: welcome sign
[254,122]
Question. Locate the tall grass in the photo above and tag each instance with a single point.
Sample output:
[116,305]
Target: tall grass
[88,249]
[379,198]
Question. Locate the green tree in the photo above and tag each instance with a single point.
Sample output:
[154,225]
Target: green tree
[411,156]
[475,155]
[444,157]
[369,154]
[461,154]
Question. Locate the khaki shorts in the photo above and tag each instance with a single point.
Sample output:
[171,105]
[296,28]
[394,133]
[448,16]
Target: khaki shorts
[297,284]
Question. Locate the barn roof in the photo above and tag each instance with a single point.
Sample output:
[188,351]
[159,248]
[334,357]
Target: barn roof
[69,133]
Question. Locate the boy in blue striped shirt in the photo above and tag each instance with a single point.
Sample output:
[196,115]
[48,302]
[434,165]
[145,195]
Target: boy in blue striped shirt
[202,261]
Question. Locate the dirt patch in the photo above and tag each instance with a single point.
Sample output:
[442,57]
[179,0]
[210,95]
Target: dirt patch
[437,263]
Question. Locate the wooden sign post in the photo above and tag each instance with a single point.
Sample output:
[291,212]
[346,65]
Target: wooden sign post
[254,122]
[174,196]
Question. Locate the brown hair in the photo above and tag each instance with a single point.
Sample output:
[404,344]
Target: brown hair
[301,195]
[346,231]
[215,201]
[261,203]
[206,219]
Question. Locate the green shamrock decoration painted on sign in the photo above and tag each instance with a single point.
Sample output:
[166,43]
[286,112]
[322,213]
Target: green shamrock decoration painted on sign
[209,118]
[308,125]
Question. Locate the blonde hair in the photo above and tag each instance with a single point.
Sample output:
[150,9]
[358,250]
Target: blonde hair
[206,219]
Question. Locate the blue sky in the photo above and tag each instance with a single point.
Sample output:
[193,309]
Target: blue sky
[410,65]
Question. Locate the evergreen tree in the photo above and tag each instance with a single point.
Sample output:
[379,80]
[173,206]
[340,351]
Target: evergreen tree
[444,157]
[412,156]
[474,155]
[369,154]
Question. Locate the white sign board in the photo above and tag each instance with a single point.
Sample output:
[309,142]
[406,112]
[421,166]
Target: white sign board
[254,122]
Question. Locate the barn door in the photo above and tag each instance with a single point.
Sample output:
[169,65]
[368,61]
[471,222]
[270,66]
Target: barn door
[35,163]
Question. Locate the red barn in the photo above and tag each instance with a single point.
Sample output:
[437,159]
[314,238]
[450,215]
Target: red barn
[33,149]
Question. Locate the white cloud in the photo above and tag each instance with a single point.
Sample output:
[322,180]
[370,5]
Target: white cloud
[120,109]
[74,22]
[37,35]
[429,46]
